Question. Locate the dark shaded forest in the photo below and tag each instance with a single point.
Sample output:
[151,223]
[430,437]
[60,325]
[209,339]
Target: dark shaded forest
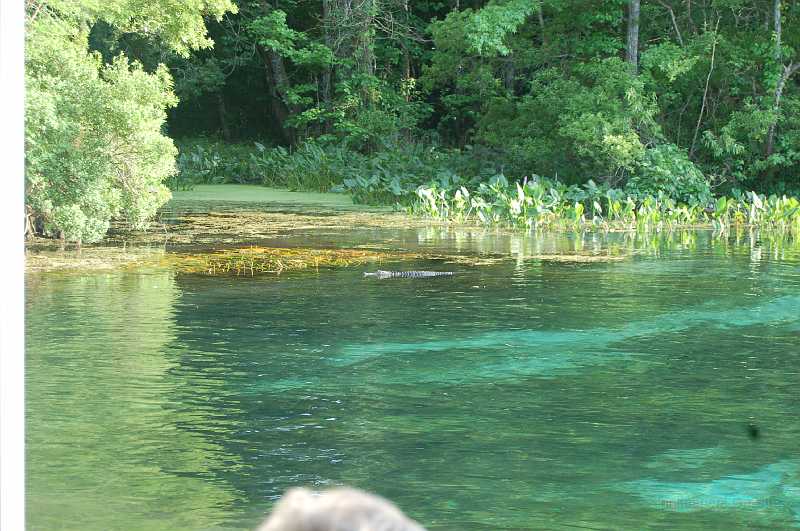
[574,88]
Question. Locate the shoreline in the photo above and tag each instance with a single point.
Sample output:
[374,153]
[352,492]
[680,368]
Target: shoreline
[305,224]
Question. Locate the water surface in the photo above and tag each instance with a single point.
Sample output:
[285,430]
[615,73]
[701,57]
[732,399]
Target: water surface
[518,394]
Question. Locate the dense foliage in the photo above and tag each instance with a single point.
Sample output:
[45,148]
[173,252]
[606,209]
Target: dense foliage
[388,176]
[544,204]
[674,98]
[94,146]
[557,87]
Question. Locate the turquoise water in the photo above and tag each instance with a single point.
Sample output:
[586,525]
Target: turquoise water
[518,394]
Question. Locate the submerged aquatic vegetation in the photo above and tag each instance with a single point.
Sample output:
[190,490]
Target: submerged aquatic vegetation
[774,487]
[244,227]
[545,351]
[90,258]
[258,260]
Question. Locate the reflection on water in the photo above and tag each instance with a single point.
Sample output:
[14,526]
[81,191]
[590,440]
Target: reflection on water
[517,395]
[110,445]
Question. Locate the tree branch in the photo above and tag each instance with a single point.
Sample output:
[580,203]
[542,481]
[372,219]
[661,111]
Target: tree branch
[788,71]
[674,21]
[705,92]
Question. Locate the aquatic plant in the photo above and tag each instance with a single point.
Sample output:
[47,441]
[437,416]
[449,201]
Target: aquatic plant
[544,204]
[88,258]
[772,487]
[310,166]
[257,260]
[202,161]
[388,176]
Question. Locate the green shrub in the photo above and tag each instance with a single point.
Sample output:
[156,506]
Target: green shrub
[388,176]
[205,161]
[591,120]
[667,169]
[94,148]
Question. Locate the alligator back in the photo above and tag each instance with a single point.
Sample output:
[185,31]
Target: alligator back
[408,274]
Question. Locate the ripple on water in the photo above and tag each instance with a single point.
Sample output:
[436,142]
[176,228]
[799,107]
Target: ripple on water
[521,394]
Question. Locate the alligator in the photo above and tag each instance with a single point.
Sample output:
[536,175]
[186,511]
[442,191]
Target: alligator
[408,274]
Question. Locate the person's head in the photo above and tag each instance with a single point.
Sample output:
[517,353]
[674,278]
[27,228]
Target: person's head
[340,509]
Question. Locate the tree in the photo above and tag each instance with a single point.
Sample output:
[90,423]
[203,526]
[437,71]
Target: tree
[94,146]
[786,72]
[576,88]
[632,50]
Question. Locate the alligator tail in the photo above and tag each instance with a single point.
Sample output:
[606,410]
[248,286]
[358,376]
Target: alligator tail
[409,274]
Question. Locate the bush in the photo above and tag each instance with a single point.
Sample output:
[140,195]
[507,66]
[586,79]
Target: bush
[666,169]
[94,148]
[311,166]
[205,161]
[388,176]
[589,121]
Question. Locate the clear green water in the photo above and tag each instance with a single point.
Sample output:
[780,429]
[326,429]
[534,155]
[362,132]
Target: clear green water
[517,395]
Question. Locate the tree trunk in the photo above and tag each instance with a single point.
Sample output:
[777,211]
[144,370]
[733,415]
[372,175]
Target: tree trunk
[367,37]
[509,73]
[30,222]
[633,35]
[223,117]
[278,85]
[350,33]
[788,71]
[705,91]
[674,21]
[327,74]
[689,19]
[776,20]
[279,76]
[406,51]
[540,14]
[280,110]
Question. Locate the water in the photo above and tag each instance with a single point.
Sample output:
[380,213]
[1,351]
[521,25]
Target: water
[519,394]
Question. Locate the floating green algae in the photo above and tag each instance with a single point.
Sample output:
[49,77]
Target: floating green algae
[259,260]
[260,194]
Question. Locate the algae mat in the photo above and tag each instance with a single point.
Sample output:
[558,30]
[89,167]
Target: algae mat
[241,229]
[261,194]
